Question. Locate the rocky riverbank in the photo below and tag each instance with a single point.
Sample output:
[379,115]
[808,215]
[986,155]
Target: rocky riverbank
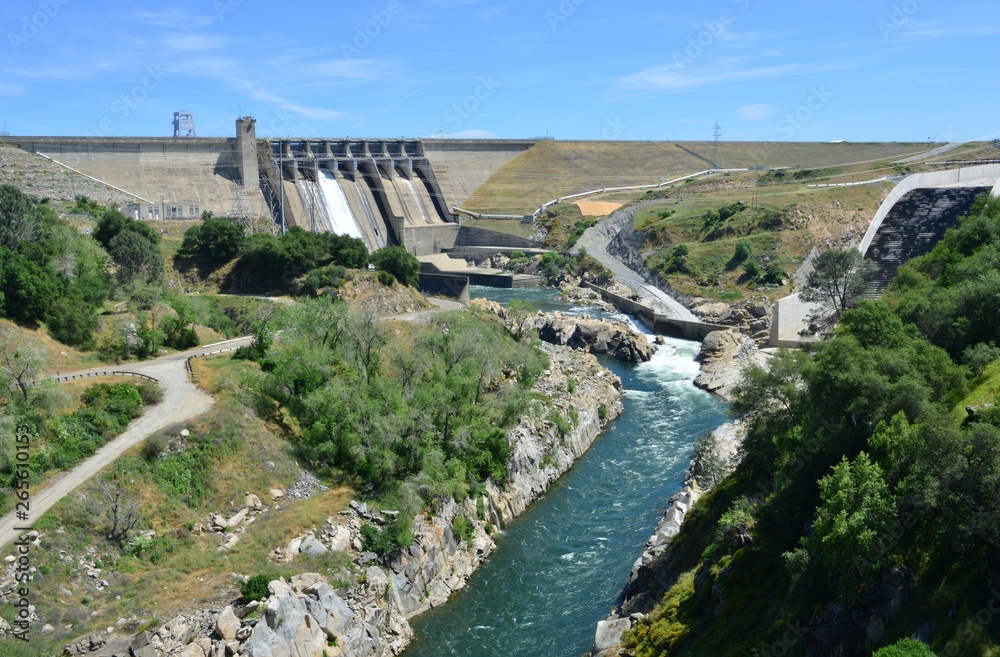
[724,355]
[651,575]
[366,615]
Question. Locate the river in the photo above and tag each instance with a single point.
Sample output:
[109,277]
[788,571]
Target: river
[559,567]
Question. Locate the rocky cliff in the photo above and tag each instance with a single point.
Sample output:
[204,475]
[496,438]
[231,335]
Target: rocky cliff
[598,336]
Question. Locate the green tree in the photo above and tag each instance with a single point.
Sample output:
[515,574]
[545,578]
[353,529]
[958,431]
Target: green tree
[852,522]
[520,317]
[71,320]
[906,648]
[113,223]
[838,279]
[400,263]
[18,218]
[29,289]
[136,257]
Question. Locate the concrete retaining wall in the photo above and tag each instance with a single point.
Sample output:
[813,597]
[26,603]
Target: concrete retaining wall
[445,285]
[468,236]
[427,240]
[655,322]
[948,178]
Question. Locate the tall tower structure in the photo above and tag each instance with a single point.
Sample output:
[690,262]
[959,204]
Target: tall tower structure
[246,151]
[184,124]
[717,151]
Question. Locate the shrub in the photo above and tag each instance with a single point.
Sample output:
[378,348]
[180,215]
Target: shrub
[744,249]
[399,262]
[386,279]
[255,587]
[906,648]
[387,541]
[153,447]
[463,529]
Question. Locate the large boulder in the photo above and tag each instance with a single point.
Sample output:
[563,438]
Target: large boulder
[597,336]
[724,355]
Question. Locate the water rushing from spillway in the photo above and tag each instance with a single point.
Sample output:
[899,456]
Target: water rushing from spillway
[559,567]
[341,217]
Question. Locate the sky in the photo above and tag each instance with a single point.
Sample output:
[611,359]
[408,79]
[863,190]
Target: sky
[872,70]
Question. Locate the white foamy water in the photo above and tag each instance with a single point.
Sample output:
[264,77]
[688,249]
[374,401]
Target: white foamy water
[342,221]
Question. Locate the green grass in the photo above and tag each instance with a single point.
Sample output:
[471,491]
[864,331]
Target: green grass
[982,390]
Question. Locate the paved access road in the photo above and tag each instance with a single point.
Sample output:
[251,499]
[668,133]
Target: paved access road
[596,239]
[182,400]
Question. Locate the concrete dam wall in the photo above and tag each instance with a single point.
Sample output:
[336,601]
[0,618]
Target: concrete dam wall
[383,191]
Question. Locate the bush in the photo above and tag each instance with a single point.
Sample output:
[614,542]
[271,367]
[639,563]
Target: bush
[906,648]
[388,541]
[386,279]
[399,262]
[744,249]
[464,530]
[153,446]
[72,321]
[255,587]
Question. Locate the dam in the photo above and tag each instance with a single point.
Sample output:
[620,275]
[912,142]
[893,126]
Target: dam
[384,191]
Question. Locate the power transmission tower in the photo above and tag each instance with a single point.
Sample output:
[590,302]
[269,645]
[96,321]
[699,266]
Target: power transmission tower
[240,212]
[717,153]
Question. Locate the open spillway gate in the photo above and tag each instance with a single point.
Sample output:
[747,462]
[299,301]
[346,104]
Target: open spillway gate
[383,191]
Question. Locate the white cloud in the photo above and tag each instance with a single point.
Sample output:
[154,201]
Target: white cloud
[756,112]
[677,78]
[194,42]
[12,89]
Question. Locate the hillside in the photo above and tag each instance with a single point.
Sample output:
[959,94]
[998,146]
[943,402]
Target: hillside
[863,509]
[552,169]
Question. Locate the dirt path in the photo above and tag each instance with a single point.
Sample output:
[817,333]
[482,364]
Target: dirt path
[182,400]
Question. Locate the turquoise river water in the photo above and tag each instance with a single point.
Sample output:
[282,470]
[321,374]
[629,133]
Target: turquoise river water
[558,568]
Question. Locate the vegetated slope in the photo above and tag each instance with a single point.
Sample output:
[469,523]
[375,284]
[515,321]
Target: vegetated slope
[864,508]
[731,237]
[552,169]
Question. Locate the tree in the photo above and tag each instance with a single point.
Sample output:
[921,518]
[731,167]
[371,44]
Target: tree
[18,218]
[72,321]
[839,277]
[218,240]
[400,263]
[118,507]
[20,361]
[136,257]
[30,290]
[520,318]
[852,522]
[113,223]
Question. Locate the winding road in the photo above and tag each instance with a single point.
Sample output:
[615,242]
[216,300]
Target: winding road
[596,239]
[182,400]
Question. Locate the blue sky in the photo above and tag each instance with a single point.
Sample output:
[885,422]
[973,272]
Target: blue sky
[899,70]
